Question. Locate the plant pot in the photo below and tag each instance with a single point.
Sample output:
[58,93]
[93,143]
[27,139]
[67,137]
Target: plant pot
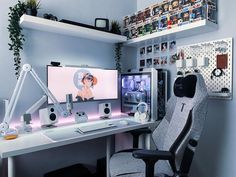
[116,31]
[32,12]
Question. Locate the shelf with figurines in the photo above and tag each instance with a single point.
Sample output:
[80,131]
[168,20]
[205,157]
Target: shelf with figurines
[170,19]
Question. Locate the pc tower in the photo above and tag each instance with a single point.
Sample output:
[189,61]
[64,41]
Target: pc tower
[147,85]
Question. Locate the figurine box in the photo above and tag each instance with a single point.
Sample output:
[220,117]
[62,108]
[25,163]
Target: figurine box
[140,17]
[126,21]
[163,23]
[197,14]
[133,19]
[174,5]
[140,30]
[155,25]
[155,10]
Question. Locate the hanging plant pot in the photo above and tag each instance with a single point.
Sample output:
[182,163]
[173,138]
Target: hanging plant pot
[32,12]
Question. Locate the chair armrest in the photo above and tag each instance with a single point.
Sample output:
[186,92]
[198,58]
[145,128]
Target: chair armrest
[137,133]
[153,155]
[150,157]
[140,131]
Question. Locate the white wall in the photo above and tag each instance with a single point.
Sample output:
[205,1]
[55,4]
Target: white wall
[40,48]
[215,155]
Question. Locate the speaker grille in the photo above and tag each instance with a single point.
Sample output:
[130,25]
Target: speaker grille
[52,117]
[106,110]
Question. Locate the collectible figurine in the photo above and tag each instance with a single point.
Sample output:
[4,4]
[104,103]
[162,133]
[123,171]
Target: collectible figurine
[133,19]
[185,2]
[175,4]
[169,22]
[170,8]
[141,17]
[160,11]
[154,25]
[133,32]
[165,7]
[185,16]
[163,23]
[198,13]
[127,33]
[147,28]
[155,11]
[174,19]
[140,31]
[180,21]
[126,21]
[192,2]
[147,13]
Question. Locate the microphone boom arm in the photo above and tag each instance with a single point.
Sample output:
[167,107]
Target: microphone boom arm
[16,93]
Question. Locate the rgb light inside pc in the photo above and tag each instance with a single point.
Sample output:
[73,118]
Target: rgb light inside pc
[147,86]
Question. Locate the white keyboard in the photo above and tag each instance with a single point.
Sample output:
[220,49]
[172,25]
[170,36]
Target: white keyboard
[93,127]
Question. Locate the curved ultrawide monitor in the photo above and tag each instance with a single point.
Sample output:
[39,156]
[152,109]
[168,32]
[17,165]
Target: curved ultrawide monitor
[85,84]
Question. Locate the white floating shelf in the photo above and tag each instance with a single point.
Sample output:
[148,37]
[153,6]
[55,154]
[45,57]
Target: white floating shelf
[191,29]
[41,24]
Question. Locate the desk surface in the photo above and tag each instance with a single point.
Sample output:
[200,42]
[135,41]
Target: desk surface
[37,141]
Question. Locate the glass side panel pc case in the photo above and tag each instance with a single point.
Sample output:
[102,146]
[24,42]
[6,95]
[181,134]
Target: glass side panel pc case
[85,84]
[148,85]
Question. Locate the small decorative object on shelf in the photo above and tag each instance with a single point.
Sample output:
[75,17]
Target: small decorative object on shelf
[32,7]
[115,27]
[167,15]
[102,23]
[15,35]
[50,17]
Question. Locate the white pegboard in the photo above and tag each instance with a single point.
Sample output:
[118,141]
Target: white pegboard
[210,50]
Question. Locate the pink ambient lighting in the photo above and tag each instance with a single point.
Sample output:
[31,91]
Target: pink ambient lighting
[62,121]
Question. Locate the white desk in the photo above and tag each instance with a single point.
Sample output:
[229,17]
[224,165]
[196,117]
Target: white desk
[38,141]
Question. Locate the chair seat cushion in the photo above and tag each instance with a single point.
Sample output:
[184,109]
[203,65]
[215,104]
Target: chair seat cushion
[123,164]
[141,175]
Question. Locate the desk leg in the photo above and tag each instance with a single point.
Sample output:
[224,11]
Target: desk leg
[11,168]
[108,154]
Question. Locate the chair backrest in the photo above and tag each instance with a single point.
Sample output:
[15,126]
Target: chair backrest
[184,120]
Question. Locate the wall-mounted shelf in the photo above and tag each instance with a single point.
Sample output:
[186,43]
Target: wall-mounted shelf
[41,24]
[191,29]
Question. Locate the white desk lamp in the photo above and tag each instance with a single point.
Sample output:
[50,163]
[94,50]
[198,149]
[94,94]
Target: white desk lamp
[4,126]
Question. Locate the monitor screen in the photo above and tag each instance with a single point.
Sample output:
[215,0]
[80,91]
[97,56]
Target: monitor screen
[135,88]
[85,84]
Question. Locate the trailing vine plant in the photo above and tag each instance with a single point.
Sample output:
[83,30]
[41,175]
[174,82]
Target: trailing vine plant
[118,55]
[15,34]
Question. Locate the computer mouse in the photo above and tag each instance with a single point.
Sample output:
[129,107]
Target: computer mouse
[124,122]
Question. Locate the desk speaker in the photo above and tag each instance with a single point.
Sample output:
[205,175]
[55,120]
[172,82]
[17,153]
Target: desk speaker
[48,116]
[105,110]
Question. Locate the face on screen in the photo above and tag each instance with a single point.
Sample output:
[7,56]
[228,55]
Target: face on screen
[85,84]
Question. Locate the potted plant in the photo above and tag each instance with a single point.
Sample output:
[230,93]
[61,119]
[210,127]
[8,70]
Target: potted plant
[115,27]
[15,35]
[32,7]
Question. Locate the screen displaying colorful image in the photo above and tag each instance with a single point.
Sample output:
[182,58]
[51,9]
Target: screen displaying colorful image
[135,88]
[85,84]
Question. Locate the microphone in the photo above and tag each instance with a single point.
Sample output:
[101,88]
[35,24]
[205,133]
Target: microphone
[69,103]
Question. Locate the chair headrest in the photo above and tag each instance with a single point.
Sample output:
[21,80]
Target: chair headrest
[188,85]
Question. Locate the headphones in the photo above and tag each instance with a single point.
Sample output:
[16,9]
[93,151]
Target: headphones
[217,72]
[142,112]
